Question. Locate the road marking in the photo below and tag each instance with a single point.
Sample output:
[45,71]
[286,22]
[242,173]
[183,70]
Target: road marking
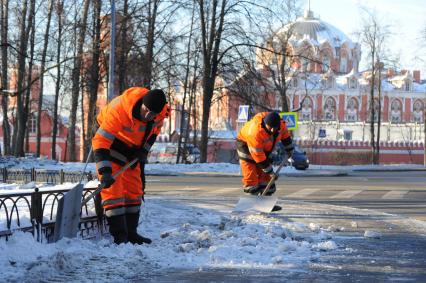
[346,194]
[302,193]
[394,195]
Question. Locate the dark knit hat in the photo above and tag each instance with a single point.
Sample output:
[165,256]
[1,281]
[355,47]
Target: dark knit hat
[155,100]
[273,119]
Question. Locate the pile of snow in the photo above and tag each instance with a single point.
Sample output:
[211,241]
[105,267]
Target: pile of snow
[184,237]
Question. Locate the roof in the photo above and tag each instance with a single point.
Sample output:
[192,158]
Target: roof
[316,31]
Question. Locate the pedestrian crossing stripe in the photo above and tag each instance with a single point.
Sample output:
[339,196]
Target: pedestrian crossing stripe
[243,113]
[290,119]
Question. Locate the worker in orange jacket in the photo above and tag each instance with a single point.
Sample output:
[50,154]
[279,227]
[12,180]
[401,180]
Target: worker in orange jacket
[128,127]
[255,142]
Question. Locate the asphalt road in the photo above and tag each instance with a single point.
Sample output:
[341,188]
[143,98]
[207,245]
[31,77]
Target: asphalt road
[401,193]
[397,255]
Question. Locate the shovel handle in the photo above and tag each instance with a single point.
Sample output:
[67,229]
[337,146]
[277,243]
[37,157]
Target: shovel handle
[100,187]
[274,178]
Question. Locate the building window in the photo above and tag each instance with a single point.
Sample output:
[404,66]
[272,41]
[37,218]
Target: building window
[376,110]
[353,83]
[347,135]
[32,127]
[325,64]
[343,65]
[330,82]
[418,111]
[306,65]
[330,109]
[407,86]
[396,111]
[306,112]
[352,110]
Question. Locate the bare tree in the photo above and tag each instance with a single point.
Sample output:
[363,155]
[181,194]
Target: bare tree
[123,49]
[149,51]
[60,16]
[373,36]
[19,130]
[184,118]
[76,81]
[27,109]
[4,24]
[42,70]
[212,19]
[93,77]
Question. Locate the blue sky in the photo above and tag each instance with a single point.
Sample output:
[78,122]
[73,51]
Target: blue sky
[407,19]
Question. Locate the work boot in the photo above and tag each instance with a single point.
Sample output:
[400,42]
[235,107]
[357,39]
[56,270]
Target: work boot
[253,190]
[118,228]
[132,220]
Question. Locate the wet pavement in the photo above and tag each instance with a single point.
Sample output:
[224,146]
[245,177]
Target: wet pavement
[394,251]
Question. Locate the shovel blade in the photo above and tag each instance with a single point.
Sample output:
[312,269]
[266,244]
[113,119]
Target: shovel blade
[256,203]
[68,214]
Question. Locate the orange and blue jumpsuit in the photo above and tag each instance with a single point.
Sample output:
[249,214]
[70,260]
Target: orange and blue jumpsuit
[118,139]
[254,145]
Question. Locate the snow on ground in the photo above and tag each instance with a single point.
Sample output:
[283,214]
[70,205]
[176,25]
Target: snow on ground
[184,237]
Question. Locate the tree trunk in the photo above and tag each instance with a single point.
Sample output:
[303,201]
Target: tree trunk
[19,130]
[211,40]
[42,68]
[27,106]
[76,83]
[122,66]
[379,116]
[182,134]
[93,78]
[147,67]
[60,11]
[373,77]
[4,23]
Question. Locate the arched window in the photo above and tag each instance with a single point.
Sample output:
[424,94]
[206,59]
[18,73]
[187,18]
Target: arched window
[352,110]
[418,110]
[326,63]
[330,109]
[307,109]
[396,111]
[343,64]
[376,110]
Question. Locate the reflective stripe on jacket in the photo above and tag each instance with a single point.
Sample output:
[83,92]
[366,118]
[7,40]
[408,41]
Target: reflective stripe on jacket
[119,131]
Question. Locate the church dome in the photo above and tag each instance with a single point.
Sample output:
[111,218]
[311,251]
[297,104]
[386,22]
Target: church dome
[316,31]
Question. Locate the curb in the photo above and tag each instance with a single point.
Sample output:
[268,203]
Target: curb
[388,170]
[223,174]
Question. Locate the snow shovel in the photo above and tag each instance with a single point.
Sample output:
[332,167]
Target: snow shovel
[69,208]
[260,203]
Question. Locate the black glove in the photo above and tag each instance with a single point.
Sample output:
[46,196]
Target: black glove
[106,180]
[271,190]
[141,155]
